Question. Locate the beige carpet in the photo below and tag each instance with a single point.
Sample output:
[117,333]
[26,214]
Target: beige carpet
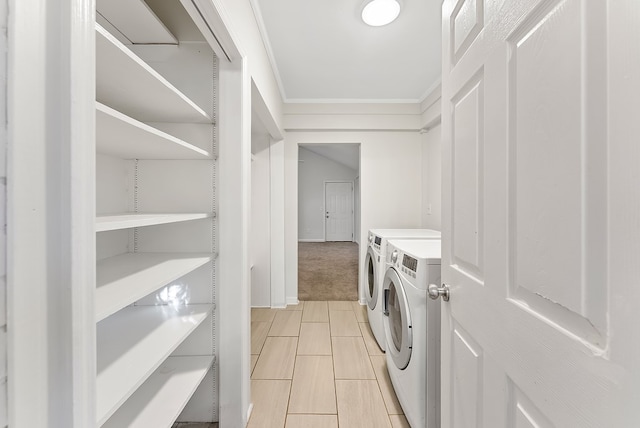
[327,271]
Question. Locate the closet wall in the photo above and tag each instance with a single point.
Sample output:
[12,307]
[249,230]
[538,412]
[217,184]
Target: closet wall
[156,226]
[432,178]
[260,233]
[3,206]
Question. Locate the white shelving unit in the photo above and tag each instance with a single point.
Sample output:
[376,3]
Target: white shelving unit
[140,24]
[123,279]
[109,222]
[163,396]
[156,222]
[126,83]
[133,343]
[125,137]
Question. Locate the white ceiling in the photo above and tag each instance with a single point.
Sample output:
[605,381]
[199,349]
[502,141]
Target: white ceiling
[344,154]
[323,52]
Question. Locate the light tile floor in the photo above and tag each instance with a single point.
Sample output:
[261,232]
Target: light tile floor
[319,368]
[195,425]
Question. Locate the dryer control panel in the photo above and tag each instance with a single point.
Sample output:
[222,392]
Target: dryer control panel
[409,262]
[409,265]
[376,242]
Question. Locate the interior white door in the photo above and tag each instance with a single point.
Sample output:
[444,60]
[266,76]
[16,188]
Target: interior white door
[338,211]
[541,201]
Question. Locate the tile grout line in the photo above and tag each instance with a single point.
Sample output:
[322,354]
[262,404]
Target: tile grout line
[380,390]
[295,363]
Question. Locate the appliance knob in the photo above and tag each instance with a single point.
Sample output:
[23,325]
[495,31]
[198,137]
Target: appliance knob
[394,256]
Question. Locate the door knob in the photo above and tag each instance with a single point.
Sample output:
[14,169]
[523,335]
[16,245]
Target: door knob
[435,292]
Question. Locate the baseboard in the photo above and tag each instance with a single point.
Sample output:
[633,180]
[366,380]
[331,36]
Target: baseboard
[249,411]
[311,240]
[292,301]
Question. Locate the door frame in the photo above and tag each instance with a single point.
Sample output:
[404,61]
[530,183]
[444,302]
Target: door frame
[353,208]
[50,212]
[292,148]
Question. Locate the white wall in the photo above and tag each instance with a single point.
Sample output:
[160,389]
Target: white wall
[259,235]
[390,186]
[431,179]
[276,156]
[357,210]
[3,201]
[246,34]
[431,160]
[313,171]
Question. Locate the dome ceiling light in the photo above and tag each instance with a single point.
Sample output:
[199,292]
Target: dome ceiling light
[380,12]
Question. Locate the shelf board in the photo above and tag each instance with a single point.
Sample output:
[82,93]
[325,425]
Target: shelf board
[159,401]
[123,279]
[126,83]
[136,21]
[109,222]
[133,343]
[122,136]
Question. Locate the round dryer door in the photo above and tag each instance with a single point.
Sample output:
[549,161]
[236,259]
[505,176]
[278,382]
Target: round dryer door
[397,322]
[370,268]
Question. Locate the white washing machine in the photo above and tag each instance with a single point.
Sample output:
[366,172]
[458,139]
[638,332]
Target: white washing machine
[375,267]
[412,328]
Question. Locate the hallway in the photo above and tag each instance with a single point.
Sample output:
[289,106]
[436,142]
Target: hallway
[317,365]
[328,271]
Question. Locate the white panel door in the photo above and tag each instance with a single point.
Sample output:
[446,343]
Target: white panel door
[541,213]
[338,211]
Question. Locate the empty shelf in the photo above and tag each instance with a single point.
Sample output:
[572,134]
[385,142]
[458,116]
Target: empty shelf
[128,84]
[133,343]
[159,401]
[105,223]
[135,20]
[123,279]
[122,136]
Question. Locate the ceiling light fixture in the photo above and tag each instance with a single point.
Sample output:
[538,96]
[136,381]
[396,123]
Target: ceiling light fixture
[380,12]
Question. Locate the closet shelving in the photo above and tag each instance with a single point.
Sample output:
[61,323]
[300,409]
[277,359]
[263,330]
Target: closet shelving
[109,222]
[115,130]
[133,344]
[123,279]
[158,399]
[140,23]
[127,84]
[153,355]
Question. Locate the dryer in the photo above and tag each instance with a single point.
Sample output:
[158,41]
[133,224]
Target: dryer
[412,328]
[374,269]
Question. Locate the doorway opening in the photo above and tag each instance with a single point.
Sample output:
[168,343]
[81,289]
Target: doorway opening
[328,221]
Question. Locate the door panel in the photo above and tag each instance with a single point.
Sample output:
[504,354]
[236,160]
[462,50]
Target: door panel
[466,22]
[467,118]
[467,383]
[339,211]
[559,261]
[522,412]
[536,129]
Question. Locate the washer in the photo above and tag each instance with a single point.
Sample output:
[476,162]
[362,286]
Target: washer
[375,266]
[412,328]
